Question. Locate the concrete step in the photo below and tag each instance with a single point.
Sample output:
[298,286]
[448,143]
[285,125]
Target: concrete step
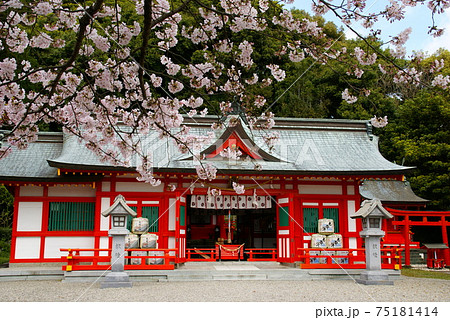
[203,271]
[24,274]
[344,274]
[192,275]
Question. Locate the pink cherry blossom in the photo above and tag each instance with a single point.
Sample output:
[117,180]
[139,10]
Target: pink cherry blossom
[238,188]
[115,70]
[379,122]
[206,171]
[348,97]
[277,72]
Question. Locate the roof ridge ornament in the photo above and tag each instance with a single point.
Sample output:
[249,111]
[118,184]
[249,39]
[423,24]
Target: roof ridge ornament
[235,110]
[369,130]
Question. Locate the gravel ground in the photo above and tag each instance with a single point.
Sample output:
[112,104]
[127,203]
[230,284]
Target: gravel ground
[404,290]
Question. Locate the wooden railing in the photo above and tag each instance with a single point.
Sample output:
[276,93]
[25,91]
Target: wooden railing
[136,259]
[346,258]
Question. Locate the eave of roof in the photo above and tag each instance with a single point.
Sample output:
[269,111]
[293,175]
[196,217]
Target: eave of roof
[306,147]
[390,191]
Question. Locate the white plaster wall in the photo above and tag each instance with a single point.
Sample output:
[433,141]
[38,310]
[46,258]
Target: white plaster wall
[53,244]
[138,187]
[351,190]
[27,247]
[172,205]
[319,189]
[104,244]
[31,191]
[352,244]
[351,209]
[171,245]
[150,202]
[106,186]
[311,204]
[71,191]
[104,221]
[29,216]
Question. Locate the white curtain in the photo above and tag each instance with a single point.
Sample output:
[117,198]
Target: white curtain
[230,202]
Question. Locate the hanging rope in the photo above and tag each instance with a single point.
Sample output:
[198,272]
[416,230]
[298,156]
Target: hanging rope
[221,247]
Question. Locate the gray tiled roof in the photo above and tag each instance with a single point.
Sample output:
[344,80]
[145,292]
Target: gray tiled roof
[389,191]
[312,146]
[32,162]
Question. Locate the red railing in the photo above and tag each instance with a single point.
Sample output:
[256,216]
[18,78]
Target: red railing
[137,259]
[163,259]
[261,254]
[405,219]
[200,254]
[346,258]
[212,254]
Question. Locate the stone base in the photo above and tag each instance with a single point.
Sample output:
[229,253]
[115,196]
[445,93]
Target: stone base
[116,280]
[375,278]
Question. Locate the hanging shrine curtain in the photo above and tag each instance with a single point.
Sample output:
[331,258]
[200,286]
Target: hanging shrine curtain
[230,202]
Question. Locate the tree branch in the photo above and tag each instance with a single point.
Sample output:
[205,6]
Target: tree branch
[84,22]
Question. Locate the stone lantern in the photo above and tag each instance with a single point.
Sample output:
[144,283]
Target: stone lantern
[372,214]
[119,212]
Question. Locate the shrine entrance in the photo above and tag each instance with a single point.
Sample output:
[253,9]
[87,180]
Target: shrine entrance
[231,229]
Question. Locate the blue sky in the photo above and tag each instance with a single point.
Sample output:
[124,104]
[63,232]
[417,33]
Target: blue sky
[418,18]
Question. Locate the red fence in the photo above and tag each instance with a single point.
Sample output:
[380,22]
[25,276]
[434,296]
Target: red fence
[405,219]
[137,259]
[249,254]
[346,258]
[163,259]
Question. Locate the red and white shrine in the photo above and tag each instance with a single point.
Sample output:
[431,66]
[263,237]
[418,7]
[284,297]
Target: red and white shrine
[318,169]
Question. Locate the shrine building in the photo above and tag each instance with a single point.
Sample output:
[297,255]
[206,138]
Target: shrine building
[319,169]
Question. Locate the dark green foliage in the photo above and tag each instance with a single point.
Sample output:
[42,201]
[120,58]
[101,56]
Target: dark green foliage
[5,244]
[6,208]
[419,137]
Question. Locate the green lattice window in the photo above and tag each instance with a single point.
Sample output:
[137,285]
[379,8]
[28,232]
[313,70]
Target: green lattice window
[310,219]
[283,219]
[332,213]
[71,216]
[129,218]
[151,213]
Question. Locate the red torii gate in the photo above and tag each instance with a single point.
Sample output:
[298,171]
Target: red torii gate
[422,218]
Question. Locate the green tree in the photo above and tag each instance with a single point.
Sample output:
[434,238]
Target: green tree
[6,208]
[419,137]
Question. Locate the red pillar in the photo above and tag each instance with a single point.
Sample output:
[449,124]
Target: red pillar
[445,241]
[407,249]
